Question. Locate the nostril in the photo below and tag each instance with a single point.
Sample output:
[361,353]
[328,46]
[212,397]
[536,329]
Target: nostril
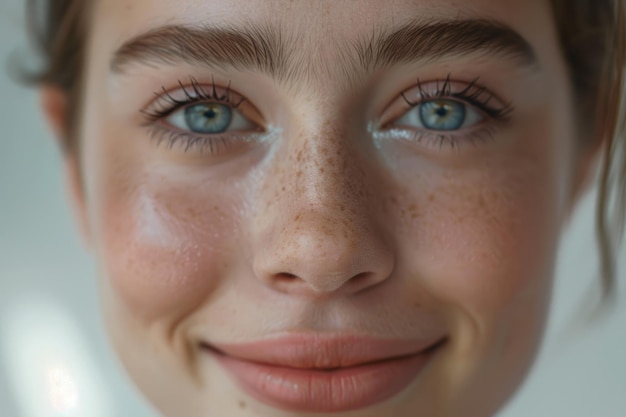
[360,277]
[286,276]
[360,281]
[287,280]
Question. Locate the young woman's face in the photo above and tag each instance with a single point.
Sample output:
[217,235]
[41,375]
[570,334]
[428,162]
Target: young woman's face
[357,203]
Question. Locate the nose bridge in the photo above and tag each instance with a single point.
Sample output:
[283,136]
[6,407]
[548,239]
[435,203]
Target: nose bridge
[325,184]
[319,234]
[329,169]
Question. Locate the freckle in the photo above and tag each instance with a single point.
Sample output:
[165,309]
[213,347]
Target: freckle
[282,188]
[242,404]
[431,197]
[342,208]
[481,201]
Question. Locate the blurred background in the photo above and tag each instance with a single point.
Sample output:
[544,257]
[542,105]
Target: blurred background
[55,360]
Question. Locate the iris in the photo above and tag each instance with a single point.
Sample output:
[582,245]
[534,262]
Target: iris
[442,114]
[208,117]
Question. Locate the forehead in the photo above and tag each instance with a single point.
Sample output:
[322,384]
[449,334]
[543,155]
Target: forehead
[345,18]
[324,40]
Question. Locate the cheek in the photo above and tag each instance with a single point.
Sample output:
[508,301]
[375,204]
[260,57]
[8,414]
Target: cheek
[483,243]
[165,245]
[482,240]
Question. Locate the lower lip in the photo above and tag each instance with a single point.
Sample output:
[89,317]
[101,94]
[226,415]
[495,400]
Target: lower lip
[307,390]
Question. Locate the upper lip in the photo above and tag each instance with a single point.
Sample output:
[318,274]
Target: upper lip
[324,351]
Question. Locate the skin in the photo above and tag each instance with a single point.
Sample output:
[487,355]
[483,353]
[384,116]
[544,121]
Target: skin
[268,237]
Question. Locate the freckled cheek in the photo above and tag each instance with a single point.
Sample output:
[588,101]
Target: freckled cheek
[484,243]
[163,252]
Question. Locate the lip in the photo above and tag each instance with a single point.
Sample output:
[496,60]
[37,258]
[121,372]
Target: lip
[324,373]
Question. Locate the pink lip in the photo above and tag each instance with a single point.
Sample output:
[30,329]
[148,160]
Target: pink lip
[319,373]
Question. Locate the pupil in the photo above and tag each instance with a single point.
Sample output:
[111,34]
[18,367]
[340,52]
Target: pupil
[442,111]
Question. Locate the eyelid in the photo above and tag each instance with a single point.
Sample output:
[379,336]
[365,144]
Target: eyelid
[220,145]
[167,101]
[475,95]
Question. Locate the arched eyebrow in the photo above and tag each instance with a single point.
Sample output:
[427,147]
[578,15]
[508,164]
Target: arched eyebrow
[265,50]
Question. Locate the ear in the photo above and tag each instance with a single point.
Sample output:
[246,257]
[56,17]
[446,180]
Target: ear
[54,103]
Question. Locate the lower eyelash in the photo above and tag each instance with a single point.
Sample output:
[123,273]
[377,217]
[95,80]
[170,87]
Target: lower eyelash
[439,140]
[187,141]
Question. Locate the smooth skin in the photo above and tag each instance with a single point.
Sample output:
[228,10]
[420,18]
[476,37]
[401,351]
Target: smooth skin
[324,213]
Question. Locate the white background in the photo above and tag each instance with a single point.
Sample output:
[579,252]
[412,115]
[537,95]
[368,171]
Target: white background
[49,312]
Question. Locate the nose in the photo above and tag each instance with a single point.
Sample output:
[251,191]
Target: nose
[319,232]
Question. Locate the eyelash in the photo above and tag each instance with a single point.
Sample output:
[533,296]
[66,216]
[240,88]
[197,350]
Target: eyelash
[189,140]
[473,94]
[470,94]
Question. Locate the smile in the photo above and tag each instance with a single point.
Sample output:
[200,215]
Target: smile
[324,374]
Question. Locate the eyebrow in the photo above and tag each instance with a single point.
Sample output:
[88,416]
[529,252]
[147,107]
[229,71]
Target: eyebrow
[265,50]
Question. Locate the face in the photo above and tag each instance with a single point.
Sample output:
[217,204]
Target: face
[307,207]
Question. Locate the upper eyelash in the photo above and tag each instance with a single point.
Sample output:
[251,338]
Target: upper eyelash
[473,93]
[466,95]
[199,95]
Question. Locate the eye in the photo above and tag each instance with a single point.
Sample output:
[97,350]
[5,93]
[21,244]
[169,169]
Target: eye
[209,118]
[444,113]
[440,115]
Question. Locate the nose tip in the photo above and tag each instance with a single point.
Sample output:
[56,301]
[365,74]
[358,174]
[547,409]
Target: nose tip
[324,232]
[318,256]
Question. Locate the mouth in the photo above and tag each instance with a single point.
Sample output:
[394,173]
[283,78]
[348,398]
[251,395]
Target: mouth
[315,373]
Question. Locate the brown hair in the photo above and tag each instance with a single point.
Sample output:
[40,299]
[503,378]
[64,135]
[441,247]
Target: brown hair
[59,30]
[593,40]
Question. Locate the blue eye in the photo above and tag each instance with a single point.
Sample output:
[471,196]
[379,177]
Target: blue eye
[209,118]
[440,115]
